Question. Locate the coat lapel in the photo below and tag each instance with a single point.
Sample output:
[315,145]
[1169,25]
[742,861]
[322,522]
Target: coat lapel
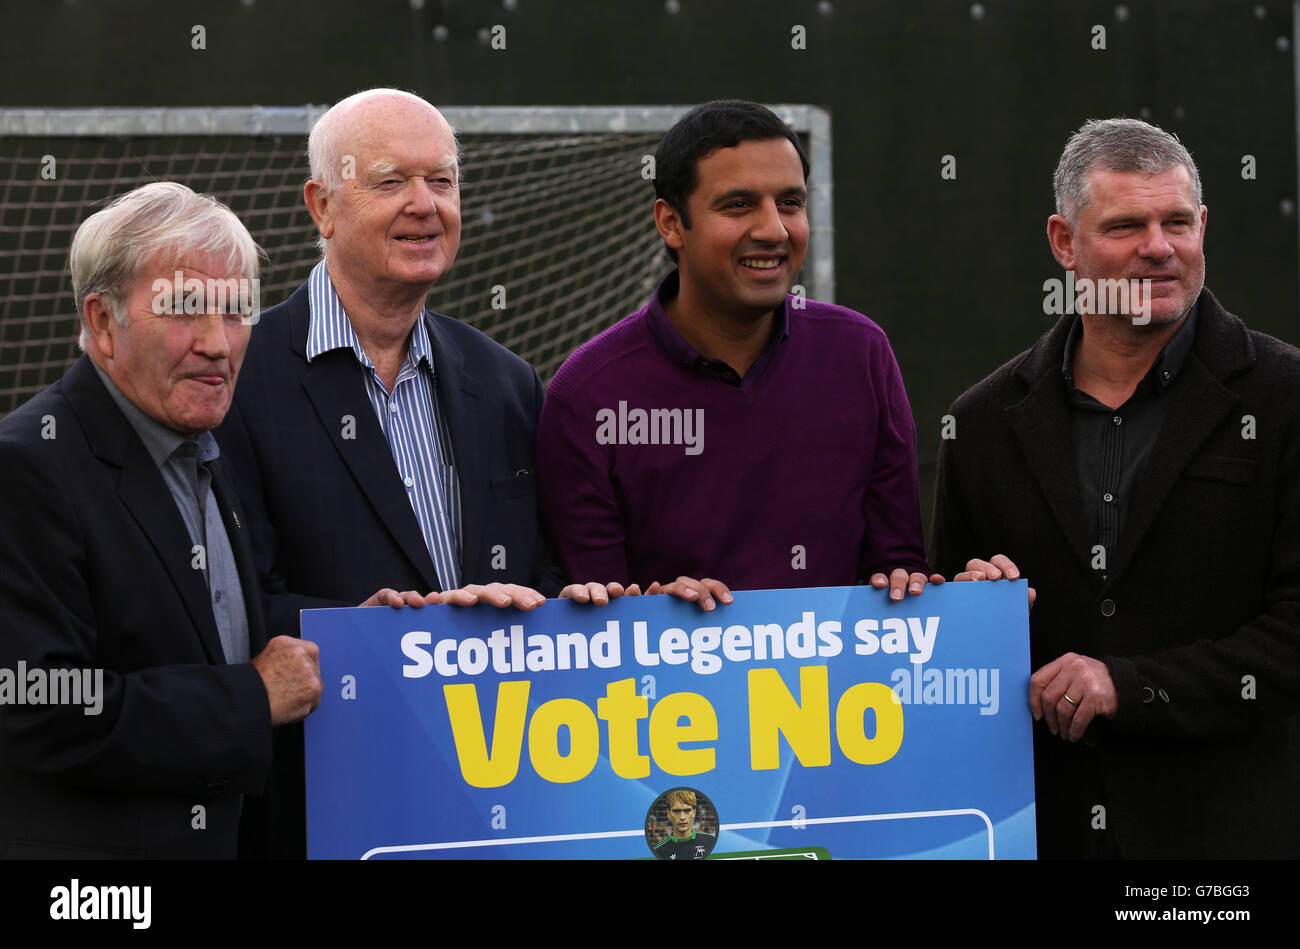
[334,385]
[1041,422]
[457,391]
[1200,403]
[144,494]
[336,389]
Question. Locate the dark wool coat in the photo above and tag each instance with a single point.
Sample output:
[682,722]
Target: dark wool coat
[96,572]
[1198,620]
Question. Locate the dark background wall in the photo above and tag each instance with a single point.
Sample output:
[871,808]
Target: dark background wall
[952,269]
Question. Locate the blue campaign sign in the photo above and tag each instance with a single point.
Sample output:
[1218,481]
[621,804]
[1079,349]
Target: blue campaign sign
[819,722]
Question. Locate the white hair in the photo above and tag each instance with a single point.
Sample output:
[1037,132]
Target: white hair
[161,219]
[325,144]
[323,141]
[1115,145]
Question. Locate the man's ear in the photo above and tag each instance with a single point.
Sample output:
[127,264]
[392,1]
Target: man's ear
[318,206]
[100,322]
[1061,239]
[670,224]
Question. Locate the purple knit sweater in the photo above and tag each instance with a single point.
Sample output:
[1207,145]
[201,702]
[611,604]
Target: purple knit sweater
[651,465]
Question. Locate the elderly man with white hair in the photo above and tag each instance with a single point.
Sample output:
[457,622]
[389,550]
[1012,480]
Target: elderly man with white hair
[382,446]
[138,688]
[378,445]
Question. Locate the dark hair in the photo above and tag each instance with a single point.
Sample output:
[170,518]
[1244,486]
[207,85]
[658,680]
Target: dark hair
[724,123]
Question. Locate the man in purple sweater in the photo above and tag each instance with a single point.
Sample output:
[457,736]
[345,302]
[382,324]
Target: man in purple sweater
[727,429]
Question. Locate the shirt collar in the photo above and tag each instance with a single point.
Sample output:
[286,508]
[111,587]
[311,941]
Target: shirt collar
[672,342]
[1164,371]
[160,441]
[328,326]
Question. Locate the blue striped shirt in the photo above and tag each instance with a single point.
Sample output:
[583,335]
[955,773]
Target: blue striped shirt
[411,419]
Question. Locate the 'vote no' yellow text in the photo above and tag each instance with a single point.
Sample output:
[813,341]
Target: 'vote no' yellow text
[773,711]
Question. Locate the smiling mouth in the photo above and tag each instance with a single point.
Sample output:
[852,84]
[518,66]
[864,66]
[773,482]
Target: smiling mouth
[761,263]
[417,239]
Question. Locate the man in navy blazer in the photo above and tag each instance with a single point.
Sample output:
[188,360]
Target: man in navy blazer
[380,446]
[138,689]
[382,450]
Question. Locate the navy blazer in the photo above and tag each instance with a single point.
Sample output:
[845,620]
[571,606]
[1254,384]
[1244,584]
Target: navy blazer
[330,518]
[95,572]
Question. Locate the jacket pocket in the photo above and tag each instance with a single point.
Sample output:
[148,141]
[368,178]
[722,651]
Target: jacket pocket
[1219,468]
[517,486]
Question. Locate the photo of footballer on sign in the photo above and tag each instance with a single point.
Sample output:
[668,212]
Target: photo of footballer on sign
[691,825]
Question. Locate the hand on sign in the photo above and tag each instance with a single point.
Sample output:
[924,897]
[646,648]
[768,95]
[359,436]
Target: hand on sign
[997,568]
[708,593]
[597,593]
[499,595]
[493,594]
[900,583]
[290,671]
[390,597]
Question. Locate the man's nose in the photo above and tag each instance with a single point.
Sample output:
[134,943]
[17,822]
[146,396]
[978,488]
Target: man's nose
[421,198]
[1155,244]
[211,334]
[769,228]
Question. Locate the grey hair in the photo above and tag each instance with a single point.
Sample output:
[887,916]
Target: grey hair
[1115,145]
[161,219]
[324,141]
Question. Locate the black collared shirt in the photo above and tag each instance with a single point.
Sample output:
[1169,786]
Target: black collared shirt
[1111,446]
